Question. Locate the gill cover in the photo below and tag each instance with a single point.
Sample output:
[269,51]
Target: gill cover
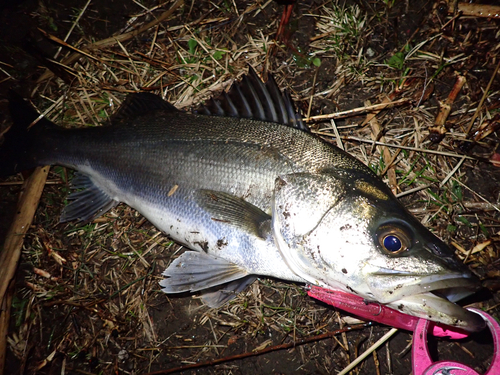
[340,230]
[301,202]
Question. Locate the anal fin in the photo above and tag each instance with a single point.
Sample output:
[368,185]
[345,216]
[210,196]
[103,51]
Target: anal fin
[88,203]
[194,271]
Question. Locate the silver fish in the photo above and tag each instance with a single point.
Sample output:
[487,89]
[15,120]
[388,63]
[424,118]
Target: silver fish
[250,191]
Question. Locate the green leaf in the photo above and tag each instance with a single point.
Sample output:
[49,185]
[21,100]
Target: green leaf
[464,220]
[457,191]
[451,228]
[397,61]
[484,230]
[316,61]
[52,24]
[192,44]
[218,54]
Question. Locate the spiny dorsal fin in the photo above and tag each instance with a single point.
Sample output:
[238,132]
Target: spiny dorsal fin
[251,98]
[140,103]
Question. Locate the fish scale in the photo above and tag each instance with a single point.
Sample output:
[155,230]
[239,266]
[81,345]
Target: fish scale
[227,155]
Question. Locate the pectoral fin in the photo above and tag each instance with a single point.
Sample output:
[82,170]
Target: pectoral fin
[194,271]
[235,211]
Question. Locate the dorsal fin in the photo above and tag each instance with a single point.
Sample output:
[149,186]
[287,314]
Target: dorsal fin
[254,99]
[140,103]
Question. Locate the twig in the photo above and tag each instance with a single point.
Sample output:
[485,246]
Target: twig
[337,135]
[443,153]
[394,156]
[67,45]
[312,92]
[358,111]
[16,183]
[388,357]
[478,10]
[453,171]
[477,194]
[438,131]
[260,352]
[485,95]
[367,352]
[9,257]
[411,191]
[384,151]
[4,323]
[376,361]
[73,27]
[371,116]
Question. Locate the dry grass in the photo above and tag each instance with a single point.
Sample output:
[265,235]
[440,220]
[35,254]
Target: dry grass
[87,298]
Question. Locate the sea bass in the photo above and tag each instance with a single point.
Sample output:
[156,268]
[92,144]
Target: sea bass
[246,187]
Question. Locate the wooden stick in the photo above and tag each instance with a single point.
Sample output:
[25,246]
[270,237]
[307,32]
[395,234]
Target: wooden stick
[11,252]
[477,10]
[358,111]
[438,131]
[371,118]
[4,324]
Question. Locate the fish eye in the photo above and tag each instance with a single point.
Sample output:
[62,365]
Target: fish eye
[393,239]
[392,243]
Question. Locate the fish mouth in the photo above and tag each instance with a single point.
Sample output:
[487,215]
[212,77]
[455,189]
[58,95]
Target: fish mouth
[431,297]
[438,309]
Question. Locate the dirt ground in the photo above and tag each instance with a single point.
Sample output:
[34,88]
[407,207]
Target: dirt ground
[87,299]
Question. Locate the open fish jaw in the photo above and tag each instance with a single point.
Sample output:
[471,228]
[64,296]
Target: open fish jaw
[432,307]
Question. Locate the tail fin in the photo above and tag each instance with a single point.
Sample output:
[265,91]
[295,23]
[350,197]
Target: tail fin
[17,152]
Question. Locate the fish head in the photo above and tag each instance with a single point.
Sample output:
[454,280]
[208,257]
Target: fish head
[344,229]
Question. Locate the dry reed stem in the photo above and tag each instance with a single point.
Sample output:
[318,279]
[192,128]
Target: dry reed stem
[365,354]
[483,98]
[439,127]
[477,10]
[388,159]
[358,111]
[9,257]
